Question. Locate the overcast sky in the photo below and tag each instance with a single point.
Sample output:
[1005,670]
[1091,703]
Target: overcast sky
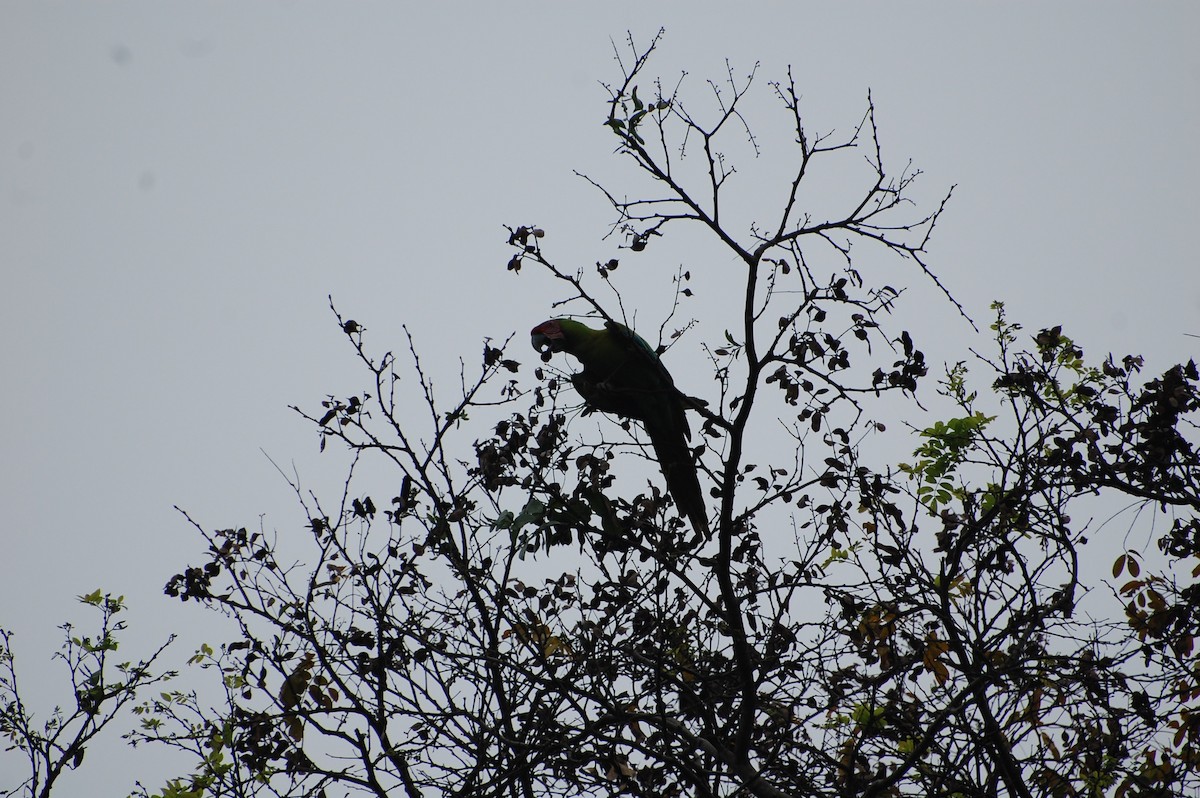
[181,186]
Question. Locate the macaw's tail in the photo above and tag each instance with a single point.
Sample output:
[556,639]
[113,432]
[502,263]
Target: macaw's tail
[675,459]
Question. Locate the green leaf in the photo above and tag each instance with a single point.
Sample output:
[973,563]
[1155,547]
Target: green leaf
[533,512]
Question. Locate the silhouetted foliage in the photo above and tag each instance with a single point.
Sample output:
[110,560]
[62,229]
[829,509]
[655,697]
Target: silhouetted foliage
[102,686]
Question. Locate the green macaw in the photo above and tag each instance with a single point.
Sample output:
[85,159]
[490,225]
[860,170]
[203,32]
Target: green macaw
[622,375]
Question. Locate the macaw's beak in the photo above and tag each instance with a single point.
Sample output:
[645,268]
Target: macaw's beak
[543,344]
[546,340]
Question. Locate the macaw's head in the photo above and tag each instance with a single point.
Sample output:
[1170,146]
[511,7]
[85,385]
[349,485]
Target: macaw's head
[548,337]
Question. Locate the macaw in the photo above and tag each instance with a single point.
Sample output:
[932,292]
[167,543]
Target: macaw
[623,375]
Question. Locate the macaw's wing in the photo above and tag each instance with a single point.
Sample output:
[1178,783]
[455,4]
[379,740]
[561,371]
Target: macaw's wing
[642,388]
[622,375]
[641,354]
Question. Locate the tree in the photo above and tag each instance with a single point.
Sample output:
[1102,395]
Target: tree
[523,612]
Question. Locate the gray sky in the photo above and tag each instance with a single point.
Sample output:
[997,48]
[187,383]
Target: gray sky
[182,185]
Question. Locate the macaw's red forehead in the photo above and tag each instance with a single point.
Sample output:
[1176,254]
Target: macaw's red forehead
[550,329]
